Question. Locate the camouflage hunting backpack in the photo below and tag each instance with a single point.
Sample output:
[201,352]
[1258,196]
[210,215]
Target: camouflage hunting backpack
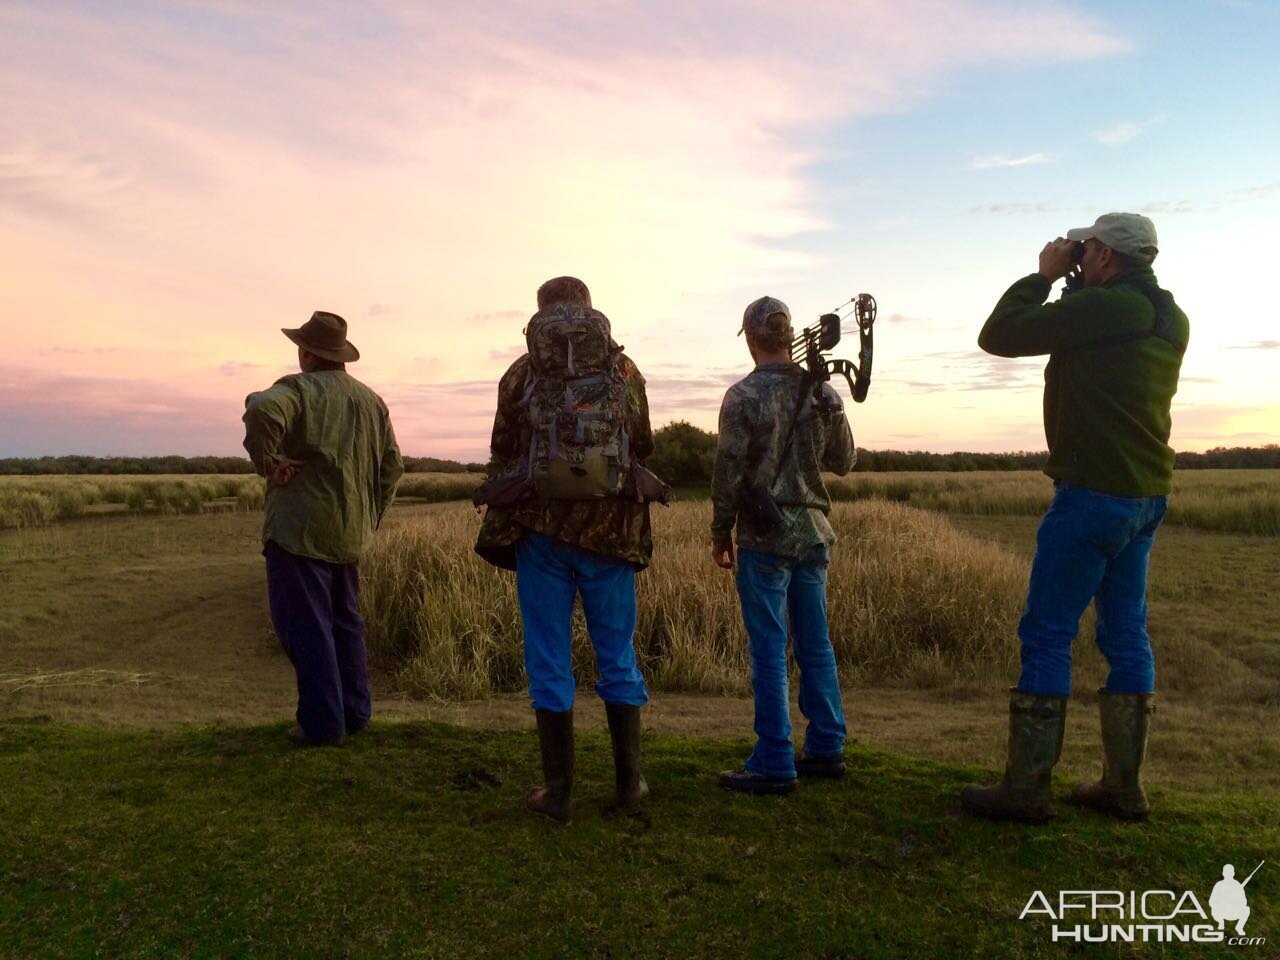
[576,402]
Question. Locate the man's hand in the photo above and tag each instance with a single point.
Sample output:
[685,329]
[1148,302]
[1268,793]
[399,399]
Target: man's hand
[1075,279]
[722,554]
[1057,258]
[283,472]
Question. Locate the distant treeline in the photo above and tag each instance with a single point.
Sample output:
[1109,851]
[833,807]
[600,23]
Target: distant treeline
[1230,458]
[150,466]
[153,466]
[683,455]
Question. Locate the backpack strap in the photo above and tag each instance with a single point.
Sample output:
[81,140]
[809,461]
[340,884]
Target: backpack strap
[1161,301]
[526,397]
[615,369]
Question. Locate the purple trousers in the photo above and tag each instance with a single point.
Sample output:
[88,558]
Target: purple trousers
[316,616]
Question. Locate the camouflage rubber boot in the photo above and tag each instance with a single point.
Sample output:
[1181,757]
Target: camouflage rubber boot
[554,798]
[1036,728]
[1126,717]
[624,731]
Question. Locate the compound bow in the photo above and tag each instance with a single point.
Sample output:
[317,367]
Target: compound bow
[808,348]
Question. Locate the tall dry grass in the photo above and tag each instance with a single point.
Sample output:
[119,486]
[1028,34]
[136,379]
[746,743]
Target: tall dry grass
[911,600]
[1226,501]
[36,501]
[438,487]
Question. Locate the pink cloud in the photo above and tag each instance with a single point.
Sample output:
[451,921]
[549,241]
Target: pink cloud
[51,414]
[203,175]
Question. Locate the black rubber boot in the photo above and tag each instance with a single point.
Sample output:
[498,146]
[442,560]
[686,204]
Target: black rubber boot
[624,731]
[831,768]
[299,736]
[1126,718]
[1036,728]
[554,798]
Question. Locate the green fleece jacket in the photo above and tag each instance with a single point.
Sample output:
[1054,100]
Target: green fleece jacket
[1113,369]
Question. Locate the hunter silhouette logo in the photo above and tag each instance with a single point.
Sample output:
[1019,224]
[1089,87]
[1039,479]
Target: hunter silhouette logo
[1149,916]
[1228,900]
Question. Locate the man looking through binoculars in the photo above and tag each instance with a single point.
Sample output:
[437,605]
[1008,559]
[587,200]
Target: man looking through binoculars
[1115,342]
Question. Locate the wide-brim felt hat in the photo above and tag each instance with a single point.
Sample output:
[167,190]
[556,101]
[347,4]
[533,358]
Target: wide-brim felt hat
[325,335]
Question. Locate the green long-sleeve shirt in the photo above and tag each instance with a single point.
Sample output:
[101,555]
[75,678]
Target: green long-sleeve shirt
[1112,373]
[339,433]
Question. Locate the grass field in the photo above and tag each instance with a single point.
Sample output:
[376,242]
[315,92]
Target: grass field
[151,808]
[411,842]
[916,599]
[451,623]
[161,620]
[39,501]
[1226,501]
[1229,501]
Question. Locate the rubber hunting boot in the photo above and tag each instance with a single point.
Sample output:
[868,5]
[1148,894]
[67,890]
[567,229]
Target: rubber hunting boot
[1126,718]
[554,798]
[1036,728]
[624,731]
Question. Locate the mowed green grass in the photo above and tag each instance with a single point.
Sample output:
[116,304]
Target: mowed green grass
[411,841]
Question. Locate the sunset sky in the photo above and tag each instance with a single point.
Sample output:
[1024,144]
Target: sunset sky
[178,180]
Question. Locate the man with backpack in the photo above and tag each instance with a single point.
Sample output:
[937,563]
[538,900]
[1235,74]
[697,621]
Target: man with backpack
[1115,342]
[564,512]
[778,431]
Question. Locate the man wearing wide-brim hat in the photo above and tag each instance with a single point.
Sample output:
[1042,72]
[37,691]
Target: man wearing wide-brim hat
[1115,342]
[325,444]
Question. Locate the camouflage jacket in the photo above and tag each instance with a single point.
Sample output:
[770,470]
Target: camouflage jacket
[754,419]
[614,527]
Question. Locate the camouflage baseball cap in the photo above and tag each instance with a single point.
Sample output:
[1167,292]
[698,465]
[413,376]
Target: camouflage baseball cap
[1129,233]
[758,311]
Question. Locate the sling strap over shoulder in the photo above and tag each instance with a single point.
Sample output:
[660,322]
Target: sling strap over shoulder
[1161,301]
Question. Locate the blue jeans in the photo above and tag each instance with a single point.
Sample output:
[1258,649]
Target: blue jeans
[549,574]
[773,591]
[317,618]
[1090,546]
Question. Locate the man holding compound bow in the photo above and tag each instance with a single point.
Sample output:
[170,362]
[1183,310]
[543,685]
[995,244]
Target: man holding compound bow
[778,430]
